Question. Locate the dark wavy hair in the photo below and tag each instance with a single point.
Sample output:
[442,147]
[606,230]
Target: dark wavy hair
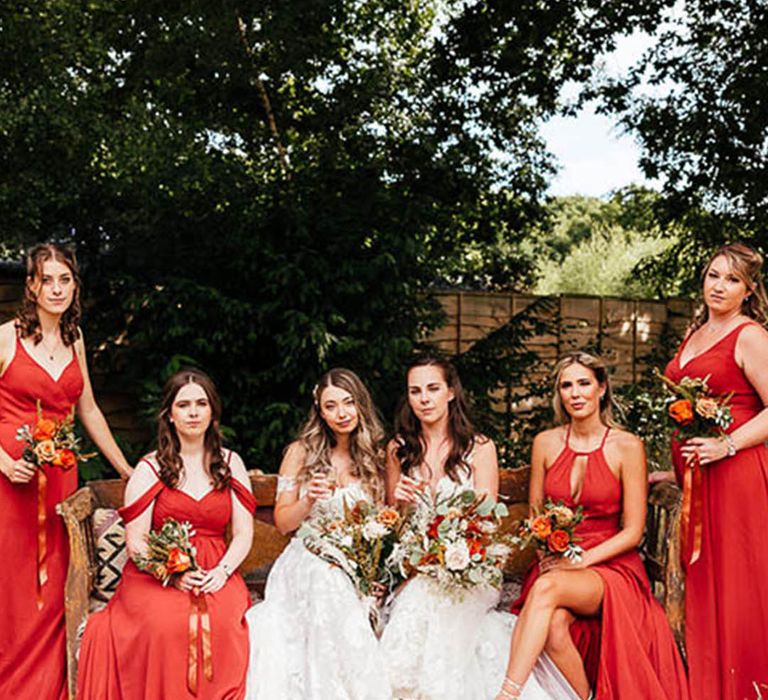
[168,444]
[27,321]
[410,442]
[747,265]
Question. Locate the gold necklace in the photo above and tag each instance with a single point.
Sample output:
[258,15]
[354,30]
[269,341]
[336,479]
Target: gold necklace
[50,352]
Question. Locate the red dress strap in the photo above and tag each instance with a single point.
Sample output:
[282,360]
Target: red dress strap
[135,509]
[244,495]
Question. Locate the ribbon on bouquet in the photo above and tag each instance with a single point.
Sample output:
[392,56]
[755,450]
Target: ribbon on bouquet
[199,620]
[42,567]
[691,513]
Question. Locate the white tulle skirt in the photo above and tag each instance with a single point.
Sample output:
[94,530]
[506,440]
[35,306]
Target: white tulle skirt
[438,648]
[310,639]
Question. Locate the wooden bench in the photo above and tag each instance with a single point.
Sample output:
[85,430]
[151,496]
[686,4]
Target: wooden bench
[268,543]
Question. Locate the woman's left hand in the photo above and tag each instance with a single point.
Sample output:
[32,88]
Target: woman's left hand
[214,580]
[709,449]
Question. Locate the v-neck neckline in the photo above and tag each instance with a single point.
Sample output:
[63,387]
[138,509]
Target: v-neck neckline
[711,347]
[55,380]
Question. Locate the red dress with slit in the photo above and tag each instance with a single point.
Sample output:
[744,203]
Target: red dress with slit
[628,650]
[32,629]
[150,638]
[726,596]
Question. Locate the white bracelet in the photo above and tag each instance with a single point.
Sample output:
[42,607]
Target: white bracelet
[731,445]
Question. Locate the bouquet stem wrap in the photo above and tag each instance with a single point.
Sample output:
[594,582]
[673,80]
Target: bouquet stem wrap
[199,625]
[691,512]
[42,547]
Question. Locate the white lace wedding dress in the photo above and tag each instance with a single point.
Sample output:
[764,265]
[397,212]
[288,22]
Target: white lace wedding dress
[310,639]
[437,648]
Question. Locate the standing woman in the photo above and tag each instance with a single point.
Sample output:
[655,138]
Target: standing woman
[42,358]
[436,647]
[311,637]
[587,461]
[726,587]
[187,640]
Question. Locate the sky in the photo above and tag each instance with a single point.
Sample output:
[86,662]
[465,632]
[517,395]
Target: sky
[593,154]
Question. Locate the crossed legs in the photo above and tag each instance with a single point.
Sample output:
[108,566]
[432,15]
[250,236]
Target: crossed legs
[544,623]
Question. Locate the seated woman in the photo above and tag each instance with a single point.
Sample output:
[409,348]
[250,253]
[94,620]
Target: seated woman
[188,640]
[311,637]
[604,601]
[434,646]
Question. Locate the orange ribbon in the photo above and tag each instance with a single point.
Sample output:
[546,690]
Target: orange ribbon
[198,618]
[42,569]
[691,514]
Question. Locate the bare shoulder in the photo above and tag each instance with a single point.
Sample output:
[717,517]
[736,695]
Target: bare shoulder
[484,445]
[142,479]
[753,339]
[237,467]
[7,340]
[624,440]
[552,439]
[293,459]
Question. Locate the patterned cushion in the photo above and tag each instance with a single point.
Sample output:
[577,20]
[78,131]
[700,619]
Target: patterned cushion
[111,555]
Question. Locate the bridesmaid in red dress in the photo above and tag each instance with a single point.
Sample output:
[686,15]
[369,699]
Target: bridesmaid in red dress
[42,357]
[604,600]
[188,640]
[726,596]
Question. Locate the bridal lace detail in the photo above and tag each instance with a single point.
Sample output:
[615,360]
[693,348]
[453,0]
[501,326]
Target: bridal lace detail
[438,648]
[310,638]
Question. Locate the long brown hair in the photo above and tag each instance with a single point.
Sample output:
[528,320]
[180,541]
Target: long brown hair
[366,441]
[27,321]
[168,444]
[747,265]
[598,367]
[410,442]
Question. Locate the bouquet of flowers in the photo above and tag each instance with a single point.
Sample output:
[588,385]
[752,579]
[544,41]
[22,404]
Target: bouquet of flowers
[553,531]
[693,409]
[52,442]
[170,551]
[359,543]
[456,541]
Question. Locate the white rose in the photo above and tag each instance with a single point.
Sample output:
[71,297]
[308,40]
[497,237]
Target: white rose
[457,557]
[372,530]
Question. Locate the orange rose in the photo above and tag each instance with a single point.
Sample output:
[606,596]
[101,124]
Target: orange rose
[44,429]
[45,451]
[681,412]
[558,541]
[541,526]
[388,517]
[178,561]
[64,459]
[707,407]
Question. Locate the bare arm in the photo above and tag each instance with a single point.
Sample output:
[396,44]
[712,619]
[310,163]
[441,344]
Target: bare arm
[541,444]
[485,469]
[629,450]
[18,471]
[242,534]
[290,509]
[93,419]
[136,531]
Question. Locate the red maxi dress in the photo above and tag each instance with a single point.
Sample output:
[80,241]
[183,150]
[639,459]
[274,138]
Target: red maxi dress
[726,589]
[148,639]
[629,651]
[32,629]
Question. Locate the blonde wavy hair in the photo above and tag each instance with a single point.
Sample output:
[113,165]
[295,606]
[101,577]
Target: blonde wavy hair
[366,445]
[747,265]
[600,370]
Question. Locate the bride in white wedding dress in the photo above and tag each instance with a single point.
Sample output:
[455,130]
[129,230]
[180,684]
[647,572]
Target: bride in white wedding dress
[435,647]
[310,639]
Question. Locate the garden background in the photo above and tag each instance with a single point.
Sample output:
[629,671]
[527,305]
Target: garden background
[269,189]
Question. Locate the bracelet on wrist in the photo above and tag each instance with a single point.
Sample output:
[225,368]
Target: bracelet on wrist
[225,568]
[730,445]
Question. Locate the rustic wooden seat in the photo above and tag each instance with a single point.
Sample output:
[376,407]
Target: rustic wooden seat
[268,543]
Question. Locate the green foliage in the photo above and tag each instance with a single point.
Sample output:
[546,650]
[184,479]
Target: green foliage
[600,247]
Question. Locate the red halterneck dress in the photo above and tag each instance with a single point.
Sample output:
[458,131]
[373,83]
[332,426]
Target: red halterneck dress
[726,589]
[32,630]
[149,642]
[629,651]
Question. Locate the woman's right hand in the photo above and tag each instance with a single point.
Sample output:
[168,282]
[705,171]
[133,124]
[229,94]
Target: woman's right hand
[407,489]
[19,471]
[318,488]
[190,580]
